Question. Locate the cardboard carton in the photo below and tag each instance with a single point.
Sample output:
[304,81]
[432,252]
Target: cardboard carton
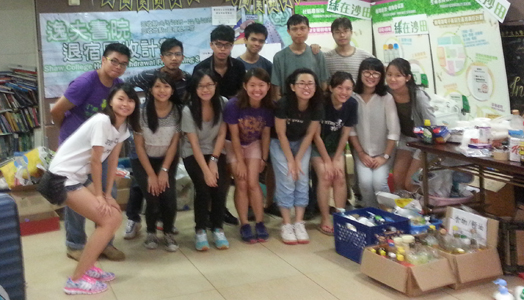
[412,281]
[472,268]
[122,182]
[39,223]
[122,197]
[29,201]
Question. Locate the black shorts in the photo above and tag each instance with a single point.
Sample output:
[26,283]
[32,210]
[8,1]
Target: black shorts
[53,188]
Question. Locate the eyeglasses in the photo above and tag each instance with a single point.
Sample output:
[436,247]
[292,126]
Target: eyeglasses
[222,45]
[208,87]
[303,85]
[340,32]
[175,54]
[371,74]
[117,63]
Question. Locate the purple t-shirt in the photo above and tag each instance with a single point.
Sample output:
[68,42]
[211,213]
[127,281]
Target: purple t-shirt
[251,121]
[88,94]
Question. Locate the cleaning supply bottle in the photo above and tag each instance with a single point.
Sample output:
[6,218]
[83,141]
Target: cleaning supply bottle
[502,293]
[427,133]
[519,292]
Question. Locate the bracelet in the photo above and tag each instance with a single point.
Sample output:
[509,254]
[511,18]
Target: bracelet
[213,158]
[164,169]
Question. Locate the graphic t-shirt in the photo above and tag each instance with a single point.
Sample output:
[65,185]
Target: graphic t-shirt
[297,122]
[333,121]
[251,121]
[88,94]
[73,158]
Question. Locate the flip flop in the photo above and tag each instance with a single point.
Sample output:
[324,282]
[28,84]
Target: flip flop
[327,230]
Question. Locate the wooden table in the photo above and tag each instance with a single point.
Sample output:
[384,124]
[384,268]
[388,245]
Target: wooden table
[485,168]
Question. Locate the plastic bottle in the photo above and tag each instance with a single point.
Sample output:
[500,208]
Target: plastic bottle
[431,239]
[502,293]
[517,122]
[427,134]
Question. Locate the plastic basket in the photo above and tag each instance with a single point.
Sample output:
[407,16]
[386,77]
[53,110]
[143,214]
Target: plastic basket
[351,237]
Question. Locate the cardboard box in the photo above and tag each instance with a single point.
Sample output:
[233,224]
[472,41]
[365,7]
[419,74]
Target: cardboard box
[412,281]
[122,196]
[472,268]
[122,183]
[39,223]
[29,201]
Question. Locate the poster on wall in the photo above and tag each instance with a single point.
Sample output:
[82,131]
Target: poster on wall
[274,21]
[468,58]
[513,46]
[73,43]
[400,30]
[320,27]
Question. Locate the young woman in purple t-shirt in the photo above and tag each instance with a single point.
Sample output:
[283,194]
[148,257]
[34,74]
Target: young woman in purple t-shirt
[250,118]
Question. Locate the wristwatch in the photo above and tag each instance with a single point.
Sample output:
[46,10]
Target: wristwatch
[386,156]
[213,158]
[164,169]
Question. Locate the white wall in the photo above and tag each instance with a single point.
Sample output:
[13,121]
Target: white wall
[17,33]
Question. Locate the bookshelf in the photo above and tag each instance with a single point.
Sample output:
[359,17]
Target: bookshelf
[19,114]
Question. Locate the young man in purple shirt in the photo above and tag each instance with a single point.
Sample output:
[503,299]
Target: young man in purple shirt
[85,96]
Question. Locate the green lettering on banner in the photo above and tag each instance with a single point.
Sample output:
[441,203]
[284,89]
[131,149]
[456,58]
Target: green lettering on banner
[317,13]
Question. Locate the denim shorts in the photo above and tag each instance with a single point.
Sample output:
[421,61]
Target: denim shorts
[53,188]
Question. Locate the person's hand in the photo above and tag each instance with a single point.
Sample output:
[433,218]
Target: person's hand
[298,167]
[241,170]
[328,170]
[366,160]
[163,181]
[112,202]
[102,206]
[338,167]
[292,170]
[152,185]
[315,48]
[379,161]
[262,166]
[211,178]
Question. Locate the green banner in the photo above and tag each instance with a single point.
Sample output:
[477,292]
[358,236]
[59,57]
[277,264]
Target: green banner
[387,11]
[317,13]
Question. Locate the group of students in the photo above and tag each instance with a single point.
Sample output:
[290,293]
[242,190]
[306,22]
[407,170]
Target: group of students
[223,121]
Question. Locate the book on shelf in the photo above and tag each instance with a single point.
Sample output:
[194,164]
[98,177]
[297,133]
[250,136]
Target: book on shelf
[6,124]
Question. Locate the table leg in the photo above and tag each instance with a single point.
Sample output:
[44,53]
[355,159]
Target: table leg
[482,190]
[425,188]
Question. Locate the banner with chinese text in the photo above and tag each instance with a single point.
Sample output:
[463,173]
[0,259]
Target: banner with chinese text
[468,58]
[73,43]
[400,29]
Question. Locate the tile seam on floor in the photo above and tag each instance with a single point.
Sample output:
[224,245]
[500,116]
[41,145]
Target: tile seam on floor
[300,272]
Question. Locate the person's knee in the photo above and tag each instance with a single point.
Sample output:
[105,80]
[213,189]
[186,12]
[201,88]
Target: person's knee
[241,184]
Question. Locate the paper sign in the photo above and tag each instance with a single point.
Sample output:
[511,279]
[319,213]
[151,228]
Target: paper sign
[224,15]
[410,25]
[205,53]
[466,222]
[498,8]
[353,8]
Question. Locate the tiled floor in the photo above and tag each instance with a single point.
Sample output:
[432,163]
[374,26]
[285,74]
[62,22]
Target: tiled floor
[269,270]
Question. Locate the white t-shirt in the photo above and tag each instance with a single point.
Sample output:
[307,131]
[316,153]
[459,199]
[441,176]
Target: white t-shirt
[73,158]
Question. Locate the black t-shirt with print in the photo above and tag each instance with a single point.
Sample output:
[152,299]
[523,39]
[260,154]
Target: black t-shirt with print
[297,122]
[333,121]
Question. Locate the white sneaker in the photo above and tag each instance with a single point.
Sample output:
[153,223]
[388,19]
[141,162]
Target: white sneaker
[171,244]
[288,234]
[151,241]
[301,233]
[132,229]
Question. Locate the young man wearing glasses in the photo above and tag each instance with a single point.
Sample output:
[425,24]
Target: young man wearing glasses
[172,55]
[229,71]
[344,57]
[85,96]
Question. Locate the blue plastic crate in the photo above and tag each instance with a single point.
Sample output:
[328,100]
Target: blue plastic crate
[351,237]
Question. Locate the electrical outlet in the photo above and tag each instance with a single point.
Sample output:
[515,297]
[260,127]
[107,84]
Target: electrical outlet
[73,2]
